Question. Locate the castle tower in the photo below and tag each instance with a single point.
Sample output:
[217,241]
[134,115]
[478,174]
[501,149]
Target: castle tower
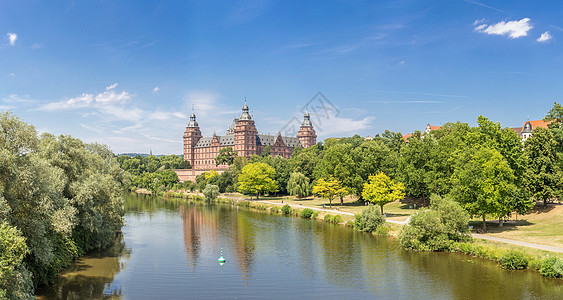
[306,134]
[191,137]
[245,134]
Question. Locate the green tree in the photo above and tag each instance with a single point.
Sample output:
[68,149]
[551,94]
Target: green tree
[211,192]
[299,185]
[382,190]
[328,188]
[226,156]
[257,178]
[416,166]
[555,116]
[338,162]
[15,279]
[543,175]
[483,183]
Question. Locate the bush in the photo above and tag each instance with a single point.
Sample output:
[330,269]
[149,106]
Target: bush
[551,267]
[369,219]
[438,229]
[514,260]
[328,218]
[286,209]
[315,215]
[306,213]
[274,210]
[382,230]
[337,219]
[211,192]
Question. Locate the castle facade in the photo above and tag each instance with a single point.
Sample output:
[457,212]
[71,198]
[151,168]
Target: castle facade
[243,137]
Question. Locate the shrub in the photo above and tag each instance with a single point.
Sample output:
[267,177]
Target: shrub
[328,218]
[274,210]
[306,213]
[382,230]
[211,192]
[514,260]
[337,219]
[315,215]
[286,209]
[438,229]
[550,266]
[369,219]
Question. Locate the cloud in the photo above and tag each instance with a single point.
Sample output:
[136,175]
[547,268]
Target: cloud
[334,125]
[156,89]
[109,97]
[12,37]
[512,29]
[546,36]
[14,98]
[479,21]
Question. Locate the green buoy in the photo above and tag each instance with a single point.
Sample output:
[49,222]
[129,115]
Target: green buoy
[221,259]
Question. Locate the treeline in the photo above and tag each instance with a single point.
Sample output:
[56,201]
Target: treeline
[154,173]
[487,169]
[59,198]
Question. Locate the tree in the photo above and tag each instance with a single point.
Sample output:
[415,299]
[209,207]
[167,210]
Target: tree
[15,279]
[257,178]
[211,192]
[328,188]
[382,190]
[299,185]
[483,183]
[338,162]
[543,175]
[416,167]
[226,156]
[555,116]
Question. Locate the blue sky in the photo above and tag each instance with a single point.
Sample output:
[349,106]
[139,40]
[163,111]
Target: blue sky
[126,73]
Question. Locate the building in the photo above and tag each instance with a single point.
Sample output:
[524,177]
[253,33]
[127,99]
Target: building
[526,131]
[243,137]
[426,131]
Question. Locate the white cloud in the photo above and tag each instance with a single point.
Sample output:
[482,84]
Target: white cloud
[112,86]
[14,98]
[512,29]
[479,21]
[109,97]
[12,37]
[546,36]
[334,126]
[204,102]
[156,89]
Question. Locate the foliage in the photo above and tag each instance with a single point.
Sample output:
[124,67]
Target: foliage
[543,175]
[211,192]
[514,260]
[257,178]
[437,229]
[63,196]
[328,218]
[226,156]
[306,213]
[298,184]
[552,267]
[15,279]
[138,165]
[153,181]
[554,116]
[382,230]
[274,210]
[286,209]
[329,188]
[369,219]
[382,190]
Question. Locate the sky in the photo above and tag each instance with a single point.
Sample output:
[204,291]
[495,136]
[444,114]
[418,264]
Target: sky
[128,73]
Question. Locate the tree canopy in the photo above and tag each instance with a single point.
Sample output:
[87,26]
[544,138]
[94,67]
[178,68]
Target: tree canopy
[380,189]
[257,178]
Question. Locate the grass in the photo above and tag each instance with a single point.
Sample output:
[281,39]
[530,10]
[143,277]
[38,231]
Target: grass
[541,226]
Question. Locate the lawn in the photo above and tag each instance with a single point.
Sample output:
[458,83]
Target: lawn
[541,226]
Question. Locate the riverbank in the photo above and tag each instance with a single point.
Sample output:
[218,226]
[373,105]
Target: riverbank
[492,249]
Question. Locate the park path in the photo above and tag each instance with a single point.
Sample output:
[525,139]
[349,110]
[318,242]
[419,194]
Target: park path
[474,235]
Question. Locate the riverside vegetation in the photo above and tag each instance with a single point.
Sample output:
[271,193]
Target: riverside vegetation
[59,199]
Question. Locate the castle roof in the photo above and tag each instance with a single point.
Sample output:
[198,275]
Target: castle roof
[261,139]
[245,115]
[192,122]
[307,120]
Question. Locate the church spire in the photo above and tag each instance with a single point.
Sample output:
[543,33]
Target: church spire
[245,114]
[193,122]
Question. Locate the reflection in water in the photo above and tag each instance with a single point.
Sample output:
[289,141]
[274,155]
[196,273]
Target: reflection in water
[175,245]
[92,276]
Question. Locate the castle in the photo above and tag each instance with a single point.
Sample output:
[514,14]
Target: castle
[243,137]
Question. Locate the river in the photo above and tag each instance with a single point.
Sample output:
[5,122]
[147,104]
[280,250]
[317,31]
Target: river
[169,250]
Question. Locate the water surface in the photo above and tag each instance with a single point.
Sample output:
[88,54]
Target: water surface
[169,250]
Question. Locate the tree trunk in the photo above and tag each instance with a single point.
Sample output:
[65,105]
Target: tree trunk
[544,202]
[329,202]
[258,196]
[500,222]
[484,224]
[341,201]
[381,206]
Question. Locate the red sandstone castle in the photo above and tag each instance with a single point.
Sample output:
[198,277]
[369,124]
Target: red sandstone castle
[243,137]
